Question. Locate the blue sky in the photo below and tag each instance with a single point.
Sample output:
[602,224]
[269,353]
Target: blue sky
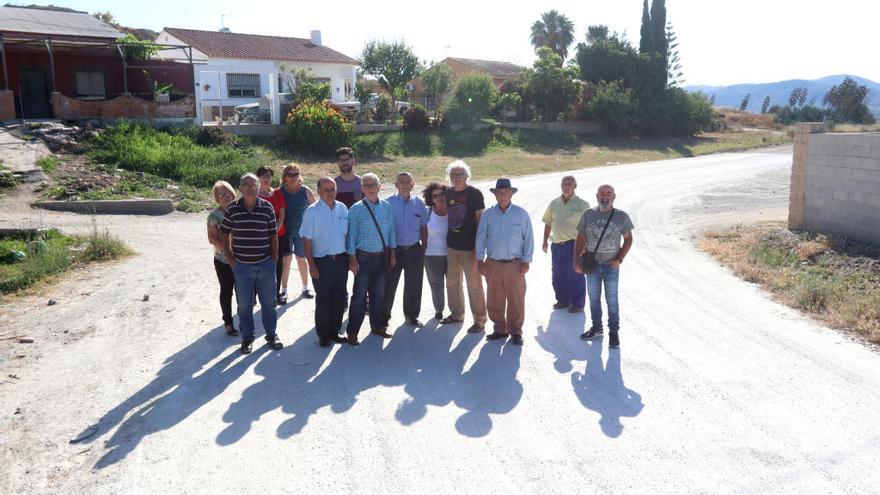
[722,42]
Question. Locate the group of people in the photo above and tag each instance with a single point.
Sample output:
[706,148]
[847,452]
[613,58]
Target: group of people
[445,236]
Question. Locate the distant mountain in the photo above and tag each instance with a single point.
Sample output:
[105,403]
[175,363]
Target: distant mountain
[731,96]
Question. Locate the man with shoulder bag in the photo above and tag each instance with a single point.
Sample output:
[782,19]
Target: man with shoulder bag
[370,243]
[599,256]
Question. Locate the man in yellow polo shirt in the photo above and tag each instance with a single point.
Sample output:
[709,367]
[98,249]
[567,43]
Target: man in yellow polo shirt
[560,225]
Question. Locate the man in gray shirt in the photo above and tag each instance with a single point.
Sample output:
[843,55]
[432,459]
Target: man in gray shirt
[609,254]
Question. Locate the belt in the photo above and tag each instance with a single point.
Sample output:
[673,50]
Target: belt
[334,256]
[411,246]
[506,261]
[365,253]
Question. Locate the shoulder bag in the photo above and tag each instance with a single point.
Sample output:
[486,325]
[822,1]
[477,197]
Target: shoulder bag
[588,259]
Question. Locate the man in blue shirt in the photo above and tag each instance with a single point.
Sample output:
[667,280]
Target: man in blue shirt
[370,232]
[504,249]
[411,227]
[323,230]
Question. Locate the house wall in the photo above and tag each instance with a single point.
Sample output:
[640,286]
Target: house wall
[835,183]
[125,106]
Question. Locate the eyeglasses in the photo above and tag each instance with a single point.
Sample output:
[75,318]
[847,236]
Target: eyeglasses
[370,186]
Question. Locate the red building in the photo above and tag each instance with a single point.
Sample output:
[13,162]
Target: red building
[70,65]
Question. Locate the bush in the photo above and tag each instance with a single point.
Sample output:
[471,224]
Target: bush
[686,113]
[615,107]
[318,128]
[416,119]
[474,96]
[215,136]
[788,114]
[141,148]
[383,108]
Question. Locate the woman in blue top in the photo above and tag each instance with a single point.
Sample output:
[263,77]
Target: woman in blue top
[298,198]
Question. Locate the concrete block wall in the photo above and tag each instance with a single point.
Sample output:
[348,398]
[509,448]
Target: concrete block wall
[835,183]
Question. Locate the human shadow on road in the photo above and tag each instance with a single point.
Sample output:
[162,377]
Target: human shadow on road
[562,339]
[155,409]
[601,389]
[488,387]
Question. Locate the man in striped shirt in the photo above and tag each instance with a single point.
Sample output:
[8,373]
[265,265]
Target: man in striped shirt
[253,252]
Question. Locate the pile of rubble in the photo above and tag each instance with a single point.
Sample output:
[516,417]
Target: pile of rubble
[61,138]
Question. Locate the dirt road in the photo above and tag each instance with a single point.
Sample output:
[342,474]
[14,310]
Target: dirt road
[715,389]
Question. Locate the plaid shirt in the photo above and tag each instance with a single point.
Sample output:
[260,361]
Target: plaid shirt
[362,232]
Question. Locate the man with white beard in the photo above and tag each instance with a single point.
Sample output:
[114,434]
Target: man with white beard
[600,232]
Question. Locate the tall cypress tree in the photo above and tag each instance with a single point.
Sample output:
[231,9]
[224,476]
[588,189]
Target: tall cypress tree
[646,43]
[658,26]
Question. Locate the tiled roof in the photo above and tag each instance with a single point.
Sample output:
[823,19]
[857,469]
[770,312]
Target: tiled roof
[54,22]
[256,46]
[491,67]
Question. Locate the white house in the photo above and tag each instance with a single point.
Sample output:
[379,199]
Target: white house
[232,69]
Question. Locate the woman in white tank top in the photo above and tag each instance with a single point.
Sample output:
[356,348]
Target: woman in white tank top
[435,253]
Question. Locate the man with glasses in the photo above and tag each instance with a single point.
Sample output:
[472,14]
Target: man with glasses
[464,204]
[250,221]
[323,230]
[348,184]
[371,231]
[411,227]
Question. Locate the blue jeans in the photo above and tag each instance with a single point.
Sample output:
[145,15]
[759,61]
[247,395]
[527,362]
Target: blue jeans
[569,285]
[259,277]
[370,279]
[608,275]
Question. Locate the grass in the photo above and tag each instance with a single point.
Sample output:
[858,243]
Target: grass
[50,253]
[831,278]
[48,163]
[7,179]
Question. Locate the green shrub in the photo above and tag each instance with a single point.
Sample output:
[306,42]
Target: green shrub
[7,179]
[788,114]
[416,119]
[141,148]
[474,96]
[685,113]
[215,136]
[383,108]
[318,128]
[615,107]
[48,163]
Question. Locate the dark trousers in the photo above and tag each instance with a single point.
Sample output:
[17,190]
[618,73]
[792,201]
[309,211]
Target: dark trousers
[411,262]
[370,280]
[570,286]
[227,283]
[283,251]
[330,294]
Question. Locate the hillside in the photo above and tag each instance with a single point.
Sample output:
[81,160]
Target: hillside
[731,96]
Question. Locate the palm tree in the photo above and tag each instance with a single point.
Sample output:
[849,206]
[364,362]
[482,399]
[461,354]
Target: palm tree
[554,30]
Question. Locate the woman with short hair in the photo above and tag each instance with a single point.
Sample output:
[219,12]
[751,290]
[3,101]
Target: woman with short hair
[223,195]
[436,250]
[297,197]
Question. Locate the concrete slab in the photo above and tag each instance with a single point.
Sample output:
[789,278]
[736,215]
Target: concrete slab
[21,156]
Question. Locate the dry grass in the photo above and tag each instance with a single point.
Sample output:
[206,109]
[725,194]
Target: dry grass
[835,280]
[734,119]
[855,128]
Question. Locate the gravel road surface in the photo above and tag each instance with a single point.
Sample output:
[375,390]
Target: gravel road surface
[716,389]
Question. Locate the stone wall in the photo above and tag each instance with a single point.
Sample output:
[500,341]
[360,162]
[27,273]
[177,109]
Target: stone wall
[585,127]
[835,183]
[125,106]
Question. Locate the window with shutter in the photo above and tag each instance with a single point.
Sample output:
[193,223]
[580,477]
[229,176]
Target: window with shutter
[90,85]
[243,85]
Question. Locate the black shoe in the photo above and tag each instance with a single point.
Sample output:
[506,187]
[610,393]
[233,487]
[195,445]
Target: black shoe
[381,332]
[517,340]
[476,329]
[274,343]
[352,340]
[592,333]
[247,346]
[415,322]
[281,299]
[438,315]
[308,294]
[496,336]
[613,340]
[575,310]
[324,342]
[339,339]
[560,305]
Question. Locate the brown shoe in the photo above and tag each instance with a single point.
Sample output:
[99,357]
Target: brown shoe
[476,328]
[381,332]
[450,319]
[353,340]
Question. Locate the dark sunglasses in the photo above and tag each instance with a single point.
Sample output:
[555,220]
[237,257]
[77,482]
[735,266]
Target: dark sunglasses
[292,174]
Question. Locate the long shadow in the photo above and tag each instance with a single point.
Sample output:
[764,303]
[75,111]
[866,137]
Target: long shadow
[488,387]
[156,409]
[562,339]
[601,389]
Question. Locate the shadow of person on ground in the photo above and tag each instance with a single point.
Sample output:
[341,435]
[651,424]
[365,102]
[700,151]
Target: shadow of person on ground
[156,409]
[488,387]
[562,339]
[602,390]
[439,368]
